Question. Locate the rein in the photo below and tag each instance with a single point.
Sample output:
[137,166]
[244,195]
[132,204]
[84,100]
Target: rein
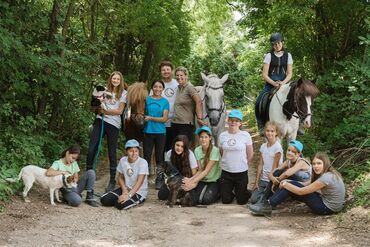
[220,110]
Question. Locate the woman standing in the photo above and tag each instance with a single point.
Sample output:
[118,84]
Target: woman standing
[277,70]
[112,123]
[156,115]
[325,195]
[188,105]
[237,153]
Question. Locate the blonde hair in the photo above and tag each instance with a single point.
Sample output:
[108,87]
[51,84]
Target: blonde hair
[274,125]
[122,86]
[136,96]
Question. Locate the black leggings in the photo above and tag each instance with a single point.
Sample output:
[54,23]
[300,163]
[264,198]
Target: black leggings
[110,199]
[234,185]
[183,129]
[112,133]
[158,141]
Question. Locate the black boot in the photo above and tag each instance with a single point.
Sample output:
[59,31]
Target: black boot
[91,200]
[262,207]
[111,185]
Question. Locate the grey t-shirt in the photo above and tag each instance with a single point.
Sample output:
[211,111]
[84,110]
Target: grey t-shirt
[334,192]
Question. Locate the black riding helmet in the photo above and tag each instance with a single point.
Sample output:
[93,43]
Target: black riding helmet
[276,37]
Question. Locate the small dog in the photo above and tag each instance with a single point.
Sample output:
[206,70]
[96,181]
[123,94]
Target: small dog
[173,180]
[98,98]
[31,174]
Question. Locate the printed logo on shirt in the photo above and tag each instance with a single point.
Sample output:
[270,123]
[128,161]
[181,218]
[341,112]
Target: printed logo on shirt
[130,172]
[231,142]
[169,92]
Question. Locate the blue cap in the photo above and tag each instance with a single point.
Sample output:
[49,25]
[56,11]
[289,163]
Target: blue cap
[204,128]
[132,144]
[297,145]
[236,114]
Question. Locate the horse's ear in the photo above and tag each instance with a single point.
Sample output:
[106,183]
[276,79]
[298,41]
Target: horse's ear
[224,78]
[204,77]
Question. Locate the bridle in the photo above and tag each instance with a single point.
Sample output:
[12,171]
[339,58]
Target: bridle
[300,114]
[220,110]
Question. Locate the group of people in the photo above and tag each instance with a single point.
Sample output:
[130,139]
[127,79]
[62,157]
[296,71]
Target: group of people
[209,173]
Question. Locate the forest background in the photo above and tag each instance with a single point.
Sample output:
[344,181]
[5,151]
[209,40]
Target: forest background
[52,53]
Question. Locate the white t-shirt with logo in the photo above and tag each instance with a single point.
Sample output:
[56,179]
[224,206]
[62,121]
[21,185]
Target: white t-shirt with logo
[170,94]
[131,171]
[113,104]
[268,156]
[234,151]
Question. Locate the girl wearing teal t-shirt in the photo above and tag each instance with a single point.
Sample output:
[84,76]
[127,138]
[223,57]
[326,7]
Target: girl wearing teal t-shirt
[204,184]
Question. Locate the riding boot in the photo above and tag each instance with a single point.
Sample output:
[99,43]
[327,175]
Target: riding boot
[111,185]
[90,199]
[262,207]
[159,180]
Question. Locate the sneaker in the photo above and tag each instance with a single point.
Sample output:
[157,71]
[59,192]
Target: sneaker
[261,209]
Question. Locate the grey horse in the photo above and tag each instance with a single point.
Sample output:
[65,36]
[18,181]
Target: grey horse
[214,107]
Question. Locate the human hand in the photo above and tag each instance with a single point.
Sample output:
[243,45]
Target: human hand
[255,186]
[147,118]
[189,185]
[122,198]
[275,181]
[200,122]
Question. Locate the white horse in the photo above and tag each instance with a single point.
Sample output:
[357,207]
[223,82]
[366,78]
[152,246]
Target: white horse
[292,104]
[214,107]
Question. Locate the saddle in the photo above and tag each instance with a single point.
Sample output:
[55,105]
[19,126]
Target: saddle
[264,106]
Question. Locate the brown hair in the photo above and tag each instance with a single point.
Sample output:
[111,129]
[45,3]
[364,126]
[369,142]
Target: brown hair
[181,161]
[165,63]
[122,86]
[327,166]
[72,150]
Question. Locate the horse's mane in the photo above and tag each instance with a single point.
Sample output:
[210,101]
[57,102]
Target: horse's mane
[307,88]
[136,95]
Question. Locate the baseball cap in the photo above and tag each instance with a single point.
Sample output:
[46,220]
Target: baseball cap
[132,144]
[204,128]
[236,114]
[297,145]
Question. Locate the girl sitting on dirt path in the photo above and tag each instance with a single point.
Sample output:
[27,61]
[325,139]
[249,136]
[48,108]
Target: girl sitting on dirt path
[68,165]
[132,178]
[271,158]
[237,153]
[183,159]
[325,195]
[204,184]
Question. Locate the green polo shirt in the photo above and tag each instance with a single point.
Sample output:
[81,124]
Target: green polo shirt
[184,107]
[59,165]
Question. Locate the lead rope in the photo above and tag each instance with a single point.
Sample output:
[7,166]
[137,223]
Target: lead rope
[99,147]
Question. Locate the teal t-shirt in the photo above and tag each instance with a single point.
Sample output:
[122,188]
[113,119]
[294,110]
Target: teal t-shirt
[59,165]
[215,173]
[155,108]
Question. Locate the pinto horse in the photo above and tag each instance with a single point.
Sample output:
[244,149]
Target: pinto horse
[214,107]
[135,110]
[291,104]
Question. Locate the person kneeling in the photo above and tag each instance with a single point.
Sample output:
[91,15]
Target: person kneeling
[132,179]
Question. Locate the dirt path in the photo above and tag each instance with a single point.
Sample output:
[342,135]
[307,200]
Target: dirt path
[153,224]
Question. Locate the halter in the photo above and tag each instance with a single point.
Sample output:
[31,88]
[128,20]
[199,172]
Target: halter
[300,114]
[220,110]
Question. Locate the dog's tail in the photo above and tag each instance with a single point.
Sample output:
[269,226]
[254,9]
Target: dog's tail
[14,180]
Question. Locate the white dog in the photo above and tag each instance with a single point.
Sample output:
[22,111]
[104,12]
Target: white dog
[31,174]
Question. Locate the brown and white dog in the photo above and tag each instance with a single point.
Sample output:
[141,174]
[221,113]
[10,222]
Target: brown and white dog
[31,174]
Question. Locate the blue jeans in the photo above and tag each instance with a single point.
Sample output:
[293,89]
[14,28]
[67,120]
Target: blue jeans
[312,200]
[257,194]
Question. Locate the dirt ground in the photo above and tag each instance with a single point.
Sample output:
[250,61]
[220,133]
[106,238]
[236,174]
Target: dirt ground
[154,224]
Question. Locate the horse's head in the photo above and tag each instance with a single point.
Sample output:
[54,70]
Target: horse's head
[304,94]
[136,96]
[214,97]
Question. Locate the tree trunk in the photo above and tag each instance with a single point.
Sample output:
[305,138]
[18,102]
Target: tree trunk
[42,102]
[147,61]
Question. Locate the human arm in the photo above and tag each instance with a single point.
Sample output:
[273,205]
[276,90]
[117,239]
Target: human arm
[274,179]
[289,74]
[315,186]
[117,111]
[250,153]
[198,108]
[258,174]
[121,182]
[191,183]
[162,119]
[300,165]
